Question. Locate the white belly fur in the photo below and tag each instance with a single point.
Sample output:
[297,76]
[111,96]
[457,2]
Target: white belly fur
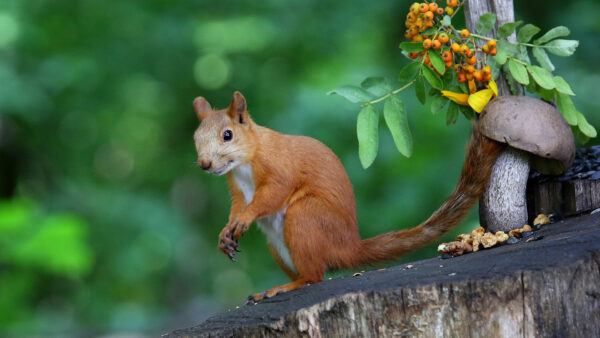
[271,225]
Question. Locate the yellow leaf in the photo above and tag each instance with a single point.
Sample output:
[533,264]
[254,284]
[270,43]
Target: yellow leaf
[459,98]
[493,87]
[478,100]
[472,86]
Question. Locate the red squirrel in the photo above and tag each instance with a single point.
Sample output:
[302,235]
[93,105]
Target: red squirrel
[299,193]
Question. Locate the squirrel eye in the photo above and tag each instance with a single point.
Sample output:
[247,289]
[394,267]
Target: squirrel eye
[227,135]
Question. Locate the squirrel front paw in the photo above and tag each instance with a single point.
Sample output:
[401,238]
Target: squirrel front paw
[227,244]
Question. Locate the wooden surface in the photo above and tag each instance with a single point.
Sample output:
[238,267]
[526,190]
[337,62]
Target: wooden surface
[564,199]
[545,288]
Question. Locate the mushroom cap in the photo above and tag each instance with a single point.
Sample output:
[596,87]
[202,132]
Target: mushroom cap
[531,125]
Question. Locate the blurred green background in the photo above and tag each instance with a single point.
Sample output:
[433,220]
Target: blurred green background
[107,226]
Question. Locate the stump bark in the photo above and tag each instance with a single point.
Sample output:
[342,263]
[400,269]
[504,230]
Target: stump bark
[545,288]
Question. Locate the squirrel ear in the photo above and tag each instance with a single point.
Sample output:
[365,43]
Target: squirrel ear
[202,108]
[237,110]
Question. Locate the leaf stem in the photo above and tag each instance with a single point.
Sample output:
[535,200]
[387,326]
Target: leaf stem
[388,94]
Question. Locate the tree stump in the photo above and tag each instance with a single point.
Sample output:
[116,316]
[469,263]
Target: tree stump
[543,288]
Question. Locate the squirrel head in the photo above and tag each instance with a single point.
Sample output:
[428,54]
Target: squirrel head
[224,138]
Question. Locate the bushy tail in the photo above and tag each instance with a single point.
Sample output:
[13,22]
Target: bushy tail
[481,156]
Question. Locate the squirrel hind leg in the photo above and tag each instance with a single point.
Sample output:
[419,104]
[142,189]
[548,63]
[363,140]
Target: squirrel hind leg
[297,284]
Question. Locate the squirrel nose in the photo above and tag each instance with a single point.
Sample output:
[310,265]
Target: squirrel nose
[205,165]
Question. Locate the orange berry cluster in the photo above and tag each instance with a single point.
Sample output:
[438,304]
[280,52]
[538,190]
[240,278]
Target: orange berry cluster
[490,48]
[456,55]
[422,15]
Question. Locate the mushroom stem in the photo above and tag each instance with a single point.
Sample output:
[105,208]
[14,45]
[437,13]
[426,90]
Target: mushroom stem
[503,206]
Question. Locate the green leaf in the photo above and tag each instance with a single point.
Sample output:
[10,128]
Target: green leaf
[542,58]
[507,29]
[494,66]
[367,130]
[512,84]
[567,108]
[352,93]
[451,114]
[433,79]
[532,87]
[562,86]
[467,112]
[486,23]
[586,128]
[518,71]
[556,32]
[429,31]
[527,32]
[377,86]
[447,21]
[438,104]
[420,89]
[546,94]
[412,46]
[409,72]
[509,48]
[396,119]
[437,62]
[541,76]
[500,56]
[562,47]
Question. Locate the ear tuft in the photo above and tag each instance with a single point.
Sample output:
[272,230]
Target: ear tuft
[237,110]
[202,108]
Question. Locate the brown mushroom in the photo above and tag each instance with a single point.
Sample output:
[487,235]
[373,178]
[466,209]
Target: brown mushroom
[537,135]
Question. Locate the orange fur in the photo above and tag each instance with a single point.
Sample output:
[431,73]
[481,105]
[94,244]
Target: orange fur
[304,178]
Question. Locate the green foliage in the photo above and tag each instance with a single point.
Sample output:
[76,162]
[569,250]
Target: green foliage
[486,23]
[396,119]
[367,130]
[352,93]
[507,29]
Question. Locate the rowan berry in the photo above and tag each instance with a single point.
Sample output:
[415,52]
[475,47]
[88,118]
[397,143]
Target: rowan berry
[447,56]
[423,7]
[449,10]
[469,54]
[411,17]
[486,70]
[455,47]
[464,49]
[465,33]
[443,38]
[461,78]
[413,55]
[452,3]
[469,69]
[478,75]
[427,43]
[485,48]
[433,7]
[436,44]
[449,64]
[440,11]
[428,15]
[470,76]
[429,23]
[493,52]
[417,38]
[492,44]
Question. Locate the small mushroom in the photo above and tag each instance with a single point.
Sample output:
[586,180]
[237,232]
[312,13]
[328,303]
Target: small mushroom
[537,135]
[519,232]
[455,248]
[541,219]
